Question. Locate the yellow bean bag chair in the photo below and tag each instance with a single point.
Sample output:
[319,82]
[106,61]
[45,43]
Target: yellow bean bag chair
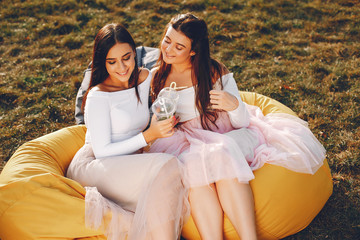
[38,202]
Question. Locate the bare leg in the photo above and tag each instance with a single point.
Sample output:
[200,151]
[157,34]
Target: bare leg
[238,204]
[206,212]
[171,204]
[164,206]
[163,233]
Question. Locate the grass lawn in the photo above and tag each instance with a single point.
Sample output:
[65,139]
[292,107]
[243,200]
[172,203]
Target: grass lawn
[305,54]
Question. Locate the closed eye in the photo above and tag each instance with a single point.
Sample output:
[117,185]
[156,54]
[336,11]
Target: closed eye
[126,56]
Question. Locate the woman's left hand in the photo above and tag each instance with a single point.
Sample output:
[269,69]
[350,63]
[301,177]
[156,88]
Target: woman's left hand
[222,100]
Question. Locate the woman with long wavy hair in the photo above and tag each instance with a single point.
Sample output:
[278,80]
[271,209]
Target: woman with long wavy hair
[214,187]
[219,138]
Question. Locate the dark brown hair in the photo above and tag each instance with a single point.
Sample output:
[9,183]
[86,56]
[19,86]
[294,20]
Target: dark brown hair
[106,38]
[205,70]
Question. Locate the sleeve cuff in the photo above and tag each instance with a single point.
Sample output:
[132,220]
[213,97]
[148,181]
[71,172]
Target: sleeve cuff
[141,139]
[239,117]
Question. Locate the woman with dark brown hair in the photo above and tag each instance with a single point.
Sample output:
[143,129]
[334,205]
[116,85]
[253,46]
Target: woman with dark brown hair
[129,194]
[220,139]
[214,187]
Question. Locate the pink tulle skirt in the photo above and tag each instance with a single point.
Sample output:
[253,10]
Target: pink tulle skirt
[139,196]
[226,153]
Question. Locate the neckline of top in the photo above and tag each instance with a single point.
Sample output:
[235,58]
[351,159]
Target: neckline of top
[148,78]
[192,87]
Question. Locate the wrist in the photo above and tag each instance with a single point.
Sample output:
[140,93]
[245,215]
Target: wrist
[232,106]
[148,136]
[235,104]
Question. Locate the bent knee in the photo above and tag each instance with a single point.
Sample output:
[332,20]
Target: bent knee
[172,171]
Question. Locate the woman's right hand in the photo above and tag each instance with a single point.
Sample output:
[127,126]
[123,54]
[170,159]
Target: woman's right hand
[159,129]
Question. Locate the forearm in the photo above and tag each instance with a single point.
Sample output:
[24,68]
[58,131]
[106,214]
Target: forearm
[124,147]
[239,117]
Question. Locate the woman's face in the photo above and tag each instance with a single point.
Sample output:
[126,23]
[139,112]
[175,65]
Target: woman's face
[120,62]
[176,47]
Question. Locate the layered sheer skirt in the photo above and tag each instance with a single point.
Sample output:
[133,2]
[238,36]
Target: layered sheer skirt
[227,153]
[139,196]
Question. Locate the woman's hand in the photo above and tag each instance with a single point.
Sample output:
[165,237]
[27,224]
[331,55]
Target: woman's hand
[160,129]
[222,100]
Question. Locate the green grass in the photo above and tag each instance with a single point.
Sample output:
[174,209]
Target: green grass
[305,54]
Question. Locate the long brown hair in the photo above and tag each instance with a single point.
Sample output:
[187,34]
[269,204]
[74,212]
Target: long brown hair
[106,38]
[205,70]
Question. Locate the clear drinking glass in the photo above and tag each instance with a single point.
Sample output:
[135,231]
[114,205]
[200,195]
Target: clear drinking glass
[170,92]
[163,108]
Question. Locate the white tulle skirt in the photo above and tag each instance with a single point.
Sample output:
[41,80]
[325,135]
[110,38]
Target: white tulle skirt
[226,153]
[285,140]
[139,196]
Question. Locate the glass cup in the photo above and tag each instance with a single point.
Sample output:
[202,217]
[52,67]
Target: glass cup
[170,92]
[163,108]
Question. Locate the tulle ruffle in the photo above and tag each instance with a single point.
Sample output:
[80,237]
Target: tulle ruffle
[224,153]
[286,141]
[208,156]
[105,215]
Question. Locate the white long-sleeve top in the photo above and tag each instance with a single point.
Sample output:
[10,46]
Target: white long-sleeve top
[186,108]
[115,120]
